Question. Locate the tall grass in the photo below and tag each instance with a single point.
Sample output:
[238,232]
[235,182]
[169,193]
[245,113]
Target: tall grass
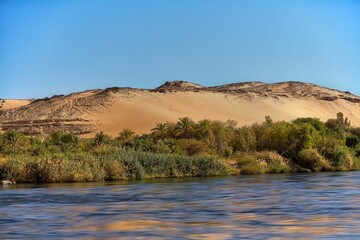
[261,162]
[113,165]
[138,165]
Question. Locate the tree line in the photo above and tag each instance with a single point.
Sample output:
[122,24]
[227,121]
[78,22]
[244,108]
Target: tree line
[304,144]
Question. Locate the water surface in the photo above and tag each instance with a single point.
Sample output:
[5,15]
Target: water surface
[325,205]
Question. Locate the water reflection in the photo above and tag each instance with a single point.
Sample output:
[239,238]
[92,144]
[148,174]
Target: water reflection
[268,206]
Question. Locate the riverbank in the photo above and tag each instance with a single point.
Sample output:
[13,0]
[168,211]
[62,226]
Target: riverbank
[132,165]
[183,149]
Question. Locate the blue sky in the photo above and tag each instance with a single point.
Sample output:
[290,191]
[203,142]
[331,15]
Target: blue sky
[62,46]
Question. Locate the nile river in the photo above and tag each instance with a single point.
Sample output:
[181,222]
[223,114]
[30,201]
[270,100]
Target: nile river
[306,206]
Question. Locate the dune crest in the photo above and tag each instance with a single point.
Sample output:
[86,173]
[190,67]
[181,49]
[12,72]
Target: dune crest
[112,109]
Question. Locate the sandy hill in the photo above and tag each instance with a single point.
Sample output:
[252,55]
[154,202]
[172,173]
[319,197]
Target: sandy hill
[112,109]
[13,103]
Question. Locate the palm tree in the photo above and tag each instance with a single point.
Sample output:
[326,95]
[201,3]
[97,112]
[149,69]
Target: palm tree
[203,127]
[172,145]
[14,140]
[184,127]
[160,130]
[126,134]
[101,139]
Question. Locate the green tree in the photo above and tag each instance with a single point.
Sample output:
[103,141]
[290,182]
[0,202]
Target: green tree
[245,139]
[184,127]
[160,130]
[338,126]
[283,137]
[62,141]
[315,122]
[203,128]
[268,120]
[14,141]
[141,143]
[220,138]
[193,146]
[101,139]
[126,134]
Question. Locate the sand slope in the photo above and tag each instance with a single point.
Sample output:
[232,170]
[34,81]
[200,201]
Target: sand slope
[13,103]
[113,109]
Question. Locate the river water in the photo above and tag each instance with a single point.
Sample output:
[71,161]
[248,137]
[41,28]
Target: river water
[307,206]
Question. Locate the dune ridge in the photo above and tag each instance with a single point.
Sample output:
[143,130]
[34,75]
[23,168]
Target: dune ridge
[112,109]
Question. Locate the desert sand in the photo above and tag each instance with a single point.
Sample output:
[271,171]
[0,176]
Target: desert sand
[13,103]
[114,109]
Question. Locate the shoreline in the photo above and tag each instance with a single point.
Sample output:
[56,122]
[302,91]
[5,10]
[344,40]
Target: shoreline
[183,149]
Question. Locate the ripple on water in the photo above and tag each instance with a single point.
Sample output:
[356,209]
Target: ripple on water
[268,206]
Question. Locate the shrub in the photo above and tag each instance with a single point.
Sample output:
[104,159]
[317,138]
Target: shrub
[356,165]
[19,168]
[343,159]
[69,168]
[275,162]
[139,165]
[249,164]
[209,166]
[261,162]
[113,170]
[36,148]
[339,156]
[101,139]
[193,146]
[311,159]
[283,137]
[161,147]
[52,168]
[245,140]
[13,142]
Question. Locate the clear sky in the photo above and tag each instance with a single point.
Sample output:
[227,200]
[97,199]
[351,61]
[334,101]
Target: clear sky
[62,46]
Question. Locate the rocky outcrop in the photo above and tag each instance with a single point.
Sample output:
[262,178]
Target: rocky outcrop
[174,86]
[293,89]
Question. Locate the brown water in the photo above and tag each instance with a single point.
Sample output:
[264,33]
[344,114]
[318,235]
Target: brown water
[306,206]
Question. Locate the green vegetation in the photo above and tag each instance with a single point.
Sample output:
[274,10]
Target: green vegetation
[183,149]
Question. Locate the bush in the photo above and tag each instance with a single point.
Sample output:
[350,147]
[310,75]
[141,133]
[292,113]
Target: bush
[275,162]
[311,159]
[52,168]
[261,162]
[356,165]
[245,140]
[69,168]
[340,157]
[36,148]
[140,165]
[113,170]
[249,164]
[19,168]
[343,159]
[193,146]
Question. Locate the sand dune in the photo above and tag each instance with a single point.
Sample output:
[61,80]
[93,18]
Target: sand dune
[113,109]
[13,103]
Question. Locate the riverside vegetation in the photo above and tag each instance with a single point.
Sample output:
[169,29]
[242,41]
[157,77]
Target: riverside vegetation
[183,149]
